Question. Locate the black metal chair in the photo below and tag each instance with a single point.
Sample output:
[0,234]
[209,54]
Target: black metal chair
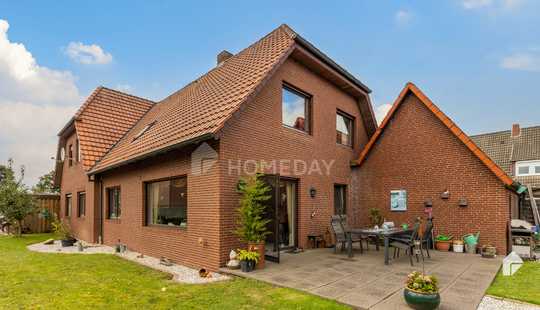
[427,238]
[406,243]
[341,234]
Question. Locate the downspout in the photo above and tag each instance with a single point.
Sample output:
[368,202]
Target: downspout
[100,237]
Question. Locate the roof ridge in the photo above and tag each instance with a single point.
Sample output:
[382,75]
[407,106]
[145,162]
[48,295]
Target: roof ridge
[126,94]
[462,136]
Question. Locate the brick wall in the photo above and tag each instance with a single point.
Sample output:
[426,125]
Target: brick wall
[197,245]
[419,154]
[257,133]
[75,180]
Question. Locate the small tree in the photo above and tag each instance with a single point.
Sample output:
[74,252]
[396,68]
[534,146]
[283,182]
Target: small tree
[15,200]
[46,184]
[251,222]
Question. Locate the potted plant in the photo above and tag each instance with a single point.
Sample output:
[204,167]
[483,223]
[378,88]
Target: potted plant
[252,225]
[63,232]
[442,242]
[375,217]
[421,291]
[248,260]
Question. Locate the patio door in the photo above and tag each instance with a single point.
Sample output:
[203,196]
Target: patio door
[282,213]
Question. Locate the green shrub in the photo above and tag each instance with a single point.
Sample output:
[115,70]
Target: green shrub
[417,281]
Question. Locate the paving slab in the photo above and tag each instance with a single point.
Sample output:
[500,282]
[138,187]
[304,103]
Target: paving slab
[364,282]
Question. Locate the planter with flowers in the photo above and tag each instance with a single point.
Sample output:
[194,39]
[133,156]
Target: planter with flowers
[248,260]
[421,291]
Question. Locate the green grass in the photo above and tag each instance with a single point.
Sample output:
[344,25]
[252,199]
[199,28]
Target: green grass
[31,280]
[524,285]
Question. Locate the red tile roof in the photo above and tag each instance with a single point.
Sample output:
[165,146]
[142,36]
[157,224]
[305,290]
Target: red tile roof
[105,117]
[411,88]
[202,107]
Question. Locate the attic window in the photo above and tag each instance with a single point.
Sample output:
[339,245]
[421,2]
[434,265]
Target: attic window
[145,129]
[528,168]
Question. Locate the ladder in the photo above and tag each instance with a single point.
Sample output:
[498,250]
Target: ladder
[534,206]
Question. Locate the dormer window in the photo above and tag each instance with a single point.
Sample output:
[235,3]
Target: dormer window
[145,129]
[527,168]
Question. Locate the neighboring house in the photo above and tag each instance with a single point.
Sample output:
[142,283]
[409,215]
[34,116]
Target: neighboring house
[280,99]
[162,177]
[419,150]
[517,151]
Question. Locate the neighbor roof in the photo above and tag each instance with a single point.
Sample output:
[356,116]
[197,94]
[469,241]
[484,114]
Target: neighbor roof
[201,109]
[105,117]
[410,88]
[504,149]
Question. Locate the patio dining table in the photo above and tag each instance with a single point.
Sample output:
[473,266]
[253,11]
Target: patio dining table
[386,234]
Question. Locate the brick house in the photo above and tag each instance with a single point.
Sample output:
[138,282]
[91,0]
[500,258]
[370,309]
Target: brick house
[420,151]
[280,101]
[517,152]
[161,177]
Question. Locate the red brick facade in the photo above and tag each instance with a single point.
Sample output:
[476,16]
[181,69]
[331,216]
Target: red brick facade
[257,134]
[419,154]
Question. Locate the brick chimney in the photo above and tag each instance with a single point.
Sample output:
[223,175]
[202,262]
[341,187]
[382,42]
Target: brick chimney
[224,55]
[516,131]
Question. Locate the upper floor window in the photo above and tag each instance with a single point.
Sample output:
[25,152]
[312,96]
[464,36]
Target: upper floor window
[69,204]
[166,202]
[525,168]
[344,129]
[296,109]
[113,203]
[70,155]
[78,150]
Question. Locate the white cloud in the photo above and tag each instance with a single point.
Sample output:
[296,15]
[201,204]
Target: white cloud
[475,4]
[35,103]
[525,61]
[403,17]
[126,88]
[381,111]
[88,54]
[492,4]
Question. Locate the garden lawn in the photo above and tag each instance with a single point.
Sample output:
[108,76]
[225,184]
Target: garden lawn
[30,280]
[524,285]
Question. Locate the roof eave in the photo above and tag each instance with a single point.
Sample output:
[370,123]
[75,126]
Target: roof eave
[307,45]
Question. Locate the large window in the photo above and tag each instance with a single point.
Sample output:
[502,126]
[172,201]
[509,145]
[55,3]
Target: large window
[81,204]
[525,168]
[69,204]
[113,203]
[340,199]
[296,109]
[166,202]
[344,129]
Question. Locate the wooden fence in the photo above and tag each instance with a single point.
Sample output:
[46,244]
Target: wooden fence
[37,222]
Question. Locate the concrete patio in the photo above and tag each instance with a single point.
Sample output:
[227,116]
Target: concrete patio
[365,282]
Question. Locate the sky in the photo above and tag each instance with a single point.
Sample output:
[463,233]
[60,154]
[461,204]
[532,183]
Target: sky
[478,60]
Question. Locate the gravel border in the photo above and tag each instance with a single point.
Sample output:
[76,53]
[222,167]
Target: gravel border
[180,273]
[492,302]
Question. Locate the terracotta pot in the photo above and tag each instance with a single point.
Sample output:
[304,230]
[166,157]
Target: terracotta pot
[258,247]
[442,245]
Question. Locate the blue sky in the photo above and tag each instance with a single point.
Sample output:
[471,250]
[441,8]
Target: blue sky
[479,60]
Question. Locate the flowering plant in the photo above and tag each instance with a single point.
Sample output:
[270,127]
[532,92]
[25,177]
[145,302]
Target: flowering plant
[419,282]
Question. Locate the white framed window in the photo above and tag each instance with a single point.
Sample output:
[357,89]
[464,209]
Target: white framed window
[525,168]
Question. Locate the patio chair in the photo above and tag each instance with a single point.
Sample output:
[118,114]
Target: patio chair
[406,243]
[341,234]
[427,237]
[357,238]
